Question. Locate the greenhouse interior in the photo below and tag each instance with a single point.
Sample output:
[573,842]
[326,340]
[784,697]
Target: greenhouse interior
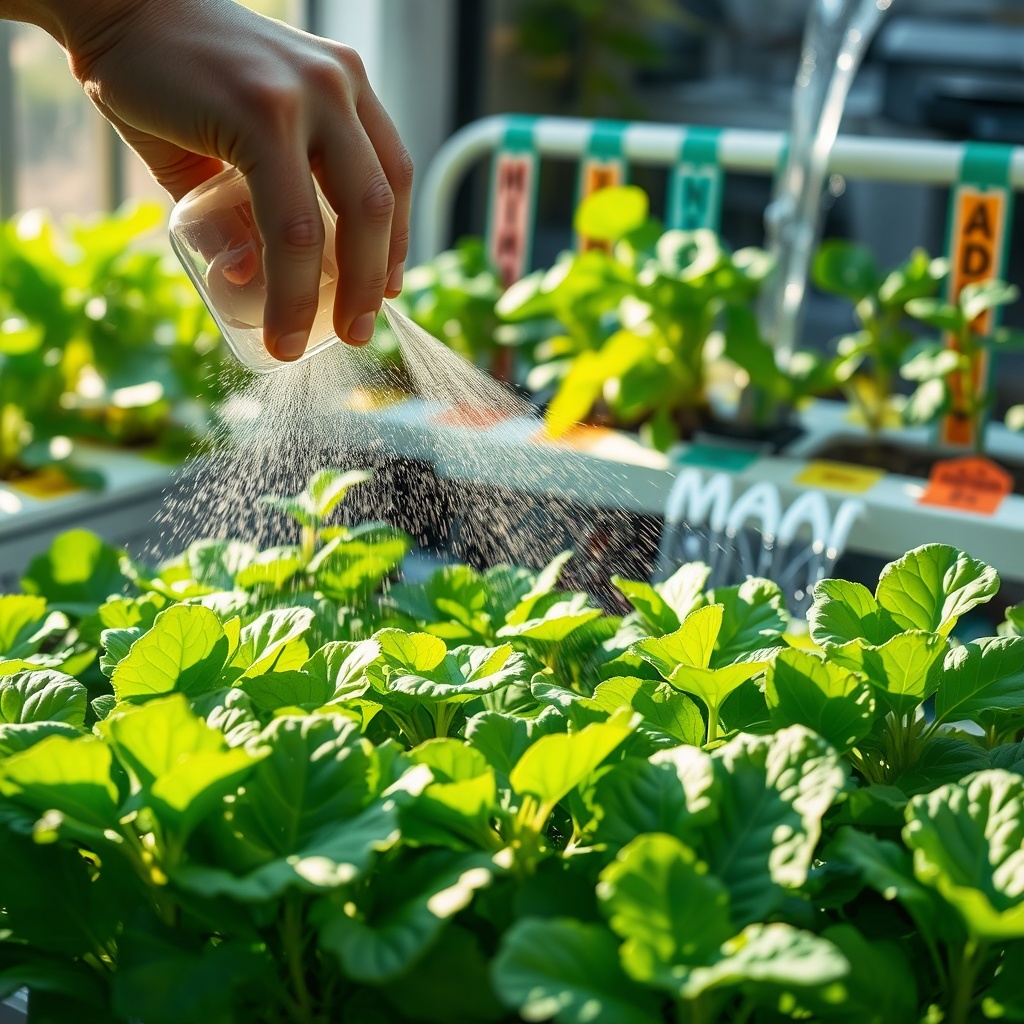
[511,510]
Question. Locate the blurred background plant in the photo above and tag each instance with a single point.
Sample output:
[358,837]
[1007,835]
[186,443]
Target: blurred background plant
[102,337]
[876,352]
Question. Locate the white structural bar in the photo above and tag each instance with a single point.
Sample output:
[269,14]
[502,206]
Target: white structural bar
[741,150]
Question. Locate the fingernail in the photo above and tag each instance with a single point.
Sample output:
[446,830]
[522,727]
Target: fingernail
[290,346]
[362,327]
[395,280]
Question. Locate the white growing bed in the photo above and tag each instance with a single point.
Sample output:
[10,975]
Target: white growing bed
[121,513]
[615,471]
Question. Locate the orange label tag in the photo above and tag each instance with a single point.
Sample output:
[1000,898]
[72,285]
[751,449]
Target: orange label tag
[599,173]
[977,247]
[839,476]
[463,415]
[582,437]
[510,235]
[971,484]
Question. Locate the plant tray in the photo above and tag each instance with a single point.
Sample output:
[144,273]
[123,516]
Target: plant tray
[34,512]
[607,469]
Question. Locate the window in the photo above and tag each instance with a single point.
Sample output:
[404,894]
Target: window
[55,149]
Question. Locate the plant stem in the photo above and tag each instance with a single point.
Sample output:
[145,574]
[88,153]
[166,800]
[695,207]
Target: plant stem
[963,976]
[291,935]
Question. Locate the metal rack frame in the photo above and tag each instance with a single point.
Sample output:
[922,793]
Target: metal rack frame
[658,145]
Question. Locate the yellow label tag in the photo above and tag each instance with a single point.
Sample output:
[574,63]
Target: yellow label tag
[46,483]
[839,476]
[374,399]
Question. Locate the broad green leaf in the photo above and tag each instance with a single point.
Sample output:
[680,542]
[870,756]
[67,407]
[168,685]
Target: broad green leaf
[557,763]
[655,611]
[503,738]
[179,766]
[406,917]
[802,689]
[774,956]
[689,646]
[902,672]
[271,568]
[845,268]
[78,572]
[662,706]
[968,843]
[336,855]
[611,213]
[46,883]
[930,587]
[713,686]
[552,618]
[660,899]
[753,617]
[167,976]
[983,681]
[347,568]
[936,313]
[43,696]
[22,736]
[24,624]
[466,673]
[845,611]
[888,869]
[563,970]
[315,777]
[323,494]
[639,797]
[215,563]
[289,689]
[272,642]
[184,651]
[944,759]
[980,296]
[1005,999]
[340,667]
[880,988]
[328,488]
[774,792]
[418,652]
[70,776]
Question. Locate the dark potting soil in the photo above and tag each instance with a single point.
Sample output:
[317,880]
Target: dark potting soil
[903,460]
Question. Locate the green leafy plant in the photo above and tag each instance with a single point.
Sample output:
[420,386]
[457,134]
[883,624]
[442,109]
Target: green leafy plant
[625,332]
[933,364]
[488,801]
[100,338]
[874,355]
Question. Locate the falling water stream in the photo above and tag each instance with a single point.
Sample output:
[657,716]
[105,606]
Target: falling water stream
[836,37]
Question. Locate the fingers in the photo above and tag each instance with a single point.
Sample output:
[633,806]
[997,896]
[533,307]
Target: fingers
[397,166]
[355,184]
[287,214]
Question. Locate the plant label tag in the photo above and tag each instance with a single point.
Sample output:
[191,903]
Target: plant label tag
[977,247]
[713,456]
[596,173]
[46,483]
[464,415]
[513,205]
[971,484]
[839,476]
[695,198]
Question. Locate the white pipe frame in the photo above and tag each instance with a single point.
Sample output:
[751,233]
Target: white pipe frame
[740,150]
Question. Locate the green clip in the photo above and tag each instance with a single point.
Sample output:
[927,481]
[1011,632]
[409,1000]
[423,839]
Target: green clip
[695,189]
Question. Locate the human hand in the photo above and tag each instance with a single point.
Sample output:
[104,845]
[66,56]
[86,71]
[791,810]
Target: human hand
[194,85]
